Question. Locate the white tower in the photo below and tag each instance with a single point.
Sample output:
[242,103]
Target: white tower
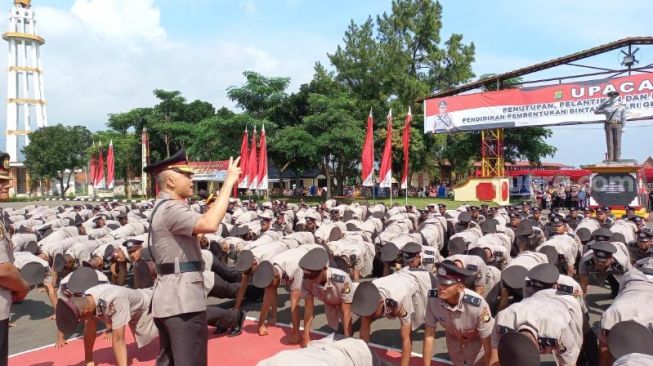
[25,99]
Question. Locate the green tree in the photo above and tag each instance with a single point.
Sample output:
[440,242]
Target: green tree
[55,149]
[262,97]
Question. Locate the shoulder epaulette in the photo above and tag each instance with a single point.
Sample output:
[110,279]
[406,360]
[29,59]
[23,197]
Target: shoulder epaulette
[338,277]
[471,299]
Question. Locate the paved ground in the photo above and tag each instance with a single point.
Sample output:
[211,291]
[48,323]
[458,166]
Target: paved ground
[33,328]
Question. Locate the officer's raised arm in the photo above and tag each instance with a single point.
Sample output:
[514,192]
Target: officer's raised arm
[208,223]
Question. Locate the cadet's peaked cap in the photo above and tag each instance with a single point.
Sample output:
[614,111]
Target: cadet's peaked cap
[58,263]
[584,234]
[177,162]
[244,260]
[335,234]
[315,260]
[525,228]
[603,233]
[550,252]
[33,273]
[479,252]
[412,248]
[132,244]
[603,249]
[645,265]
[489,226]
[82,279]
[465,217]
[4,166]
[618,237]
[449,273]
[457,245]
[108,253]
[32,247]
[67,316]
[263,275]
[514,276]
[545,273]
[265,215]
[644,236]
[629,337]
[517,349]
[366,299]
[558,220]
[389,252]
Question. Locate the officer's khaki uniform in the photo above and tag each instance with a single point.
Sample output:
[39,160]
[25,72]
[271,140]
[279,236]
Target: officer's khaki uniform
[6,256]
[464,324]
[337,290]
[178,302]
[123,306]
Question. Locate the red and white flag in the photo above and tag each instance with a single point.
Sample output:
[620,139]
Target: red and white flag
[98,182]
[263,162]
[406,140]
[252,166]
[242,182]
[385,173]
[367,159]
[110,166]
[92,168]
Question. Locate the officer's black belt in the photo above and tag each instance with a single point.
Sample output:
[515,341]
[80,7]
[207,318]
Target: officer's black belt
[169,268]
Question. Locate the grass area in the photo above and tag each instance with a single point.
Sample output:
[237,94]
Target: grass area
[414,201]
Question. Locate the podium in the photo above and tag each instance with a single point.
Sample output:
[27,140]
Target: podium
[618,184]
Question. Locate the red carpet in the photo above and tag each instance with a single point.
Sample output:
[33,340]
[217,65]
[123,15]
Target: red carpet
[244,350]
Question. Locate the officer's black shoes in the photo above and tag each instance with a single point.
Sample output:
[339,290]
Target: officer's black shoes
[238,328]
[220,330]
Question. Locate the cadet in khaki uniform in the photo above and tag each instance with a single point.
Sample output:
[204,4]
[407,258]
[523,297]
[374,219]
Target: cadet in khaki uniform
[178,302]
[282,270]
[281,225]
[463,314]
[546,321]
[332,286]
[328,352]
[12,286]
[116,306]
[400,295]
[602,262]
[633,303]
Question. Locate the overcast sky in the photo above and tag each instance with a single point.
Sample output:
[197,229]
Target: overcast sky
[106,56]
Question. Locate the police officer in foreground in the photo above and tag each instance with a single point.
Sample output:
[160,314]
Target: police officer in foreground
[13,287]
[178,302]
[463,313]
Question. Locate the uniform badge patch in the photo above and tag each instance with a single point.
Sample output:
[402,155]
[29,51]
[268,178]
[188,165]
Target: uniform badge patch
[338,278]
[402,312]
[346,288]
[473,300]
[485,315]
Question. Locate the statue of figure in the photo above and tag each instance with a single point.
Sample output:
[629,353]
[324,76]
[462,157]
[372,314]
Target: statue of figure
[615,114]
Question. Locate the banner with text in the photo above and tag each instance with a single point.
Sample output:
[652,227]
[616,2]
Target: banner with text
[562,104]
